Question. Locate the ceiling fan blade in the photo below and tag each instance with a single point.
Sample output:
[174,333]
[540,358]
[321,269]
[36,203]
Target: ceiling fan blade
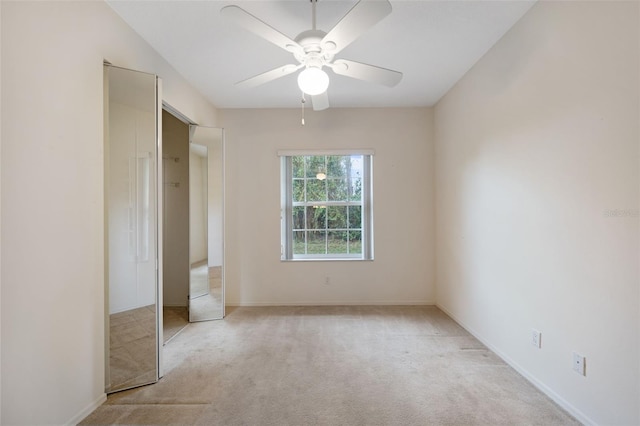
[364,15]
[266,77]
[320,101]
[264,30]
[366,72]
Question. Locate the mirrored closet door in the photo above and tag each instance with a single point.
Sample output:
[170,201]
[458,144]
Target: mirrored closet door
[206,223]
[133,276]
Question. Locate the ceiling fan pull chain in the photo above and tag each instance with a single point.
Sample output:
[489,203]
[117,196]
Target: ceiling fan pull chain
[302,106]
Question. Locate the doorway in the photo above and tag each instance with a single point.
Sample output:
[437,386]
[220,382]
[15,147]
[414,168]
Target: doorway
[150,230]
[193,222]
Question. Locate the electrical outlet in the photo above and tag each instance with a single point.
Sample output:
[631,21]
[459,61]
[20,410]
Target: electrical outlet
[327,280]
[536,338]
[579,364]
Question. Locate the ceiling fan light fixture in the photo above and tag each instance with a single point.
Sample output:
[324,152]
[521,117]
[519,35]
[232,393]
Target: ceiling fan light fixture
[313,81]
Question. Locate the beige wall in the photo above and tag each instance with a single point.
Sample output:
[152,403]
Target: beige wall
[535,147]
[403,269]
[52,240]
[175,144]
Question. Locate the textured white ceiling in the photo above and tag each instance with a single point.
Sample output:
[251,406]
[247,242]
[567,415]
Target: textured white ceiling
[433,43]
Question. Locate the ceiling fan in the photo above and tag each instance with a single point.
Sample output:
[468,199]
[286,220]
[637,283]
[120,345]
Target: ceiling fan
[315,49]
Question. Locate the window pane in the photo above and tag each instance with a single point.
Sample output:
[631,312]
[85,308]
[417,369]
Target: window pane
[298,218]
[355,190]
[355,242]
[356,166]
[337,242]
[316,217]
[298,166]
[337,189]
[315,164]
[337,217]
[336,166]
[316,243]
[316,190]
[355,217]
[298,190]
[298,242]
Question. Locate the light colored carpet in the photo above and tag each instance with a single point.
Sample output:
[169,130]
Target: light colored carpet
[349,365]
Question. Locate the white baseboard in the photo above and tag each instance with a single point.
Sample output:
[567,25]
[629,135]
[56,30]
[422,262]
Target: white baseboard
[571,409]
[87,410]
[333,303]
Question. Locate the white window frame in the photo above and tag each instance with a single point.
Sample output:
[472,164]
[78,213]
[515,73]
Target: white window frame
[286,181]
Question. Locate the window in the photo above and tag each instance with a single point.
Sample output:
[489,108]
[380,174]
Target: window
[326,206]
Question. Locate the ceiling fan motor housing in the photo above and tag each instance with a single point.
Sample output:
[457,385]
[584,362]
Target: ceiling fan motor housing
[315,53]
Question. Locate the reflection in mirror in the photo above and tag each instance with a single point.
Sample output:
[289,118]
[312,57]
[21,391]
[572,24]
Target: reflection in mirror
[130,234]
[206,284]
[175,224]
